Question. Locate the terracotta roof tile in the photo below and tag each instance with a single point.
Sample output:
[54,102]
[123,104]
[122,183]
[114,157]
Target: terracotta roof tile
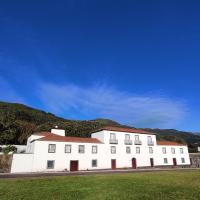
[166,143]
[124,129]
[57,138]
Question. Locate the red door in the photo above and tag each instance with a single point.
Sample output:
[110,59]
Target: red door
[152,162]
[113,164]
[174,162]
[74,165]
[134,163]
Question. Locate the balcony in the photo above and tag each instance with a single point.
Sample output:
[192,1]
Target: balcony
[113,141]
[138,142]
[150,143]
[128,142]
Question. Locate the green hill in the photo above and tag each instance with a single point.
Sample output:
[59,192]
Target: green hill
[18,121]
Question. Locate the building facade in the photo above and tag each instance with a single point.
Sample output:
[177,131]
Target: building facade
[108,148]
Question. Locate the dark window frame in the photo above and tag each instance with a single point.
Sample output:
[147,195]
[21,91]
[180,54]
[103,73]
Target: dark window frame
[53,164]
[69,145]
[79,148]
[94,163]
[94,146]
[50,148]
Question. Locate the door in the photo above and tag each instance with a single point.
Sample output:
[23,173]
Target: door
[113,164]
[152,162]
[174,162]
[134,163]
[74,165]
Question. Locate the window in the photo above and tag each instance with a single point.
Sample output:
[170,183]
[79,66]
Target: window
[137,137]
[113,136]
[113,149]
[181,150]
[173,150]
[183,160]
[137,149]
[128,149]
[127,137]
[149,139]
[164,150]
[150,150]
[81,149]
[68,148]
[50,164]
[94,163]
[52,148]
[165,160]
[94,149]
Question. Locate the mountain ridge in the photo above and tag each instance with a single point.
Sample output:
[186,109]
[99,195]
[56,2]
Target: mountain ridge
[18,121]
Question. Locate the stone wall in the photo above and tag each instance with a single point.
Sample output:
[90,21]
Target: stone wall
[195,160]
[5,163]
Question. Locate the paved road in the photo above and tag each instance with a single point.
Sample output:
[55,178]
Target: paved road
[86,173]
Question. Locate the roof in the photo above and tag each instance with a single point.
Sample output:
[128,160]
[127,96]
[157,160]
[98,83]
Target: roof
[124,129]
[57,138]
[166,143]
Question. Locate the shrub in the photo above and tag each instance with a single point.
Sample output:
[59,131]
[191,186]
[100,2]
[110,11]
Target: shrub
[9,148]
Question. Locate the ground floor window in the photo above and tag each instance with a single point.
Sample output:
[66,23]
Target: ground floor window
[165,160]
[94,163]
[50,164]
[183,160]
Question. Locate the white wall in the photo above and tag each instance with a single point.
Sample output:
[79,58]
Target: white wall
[22,163]
[123,160]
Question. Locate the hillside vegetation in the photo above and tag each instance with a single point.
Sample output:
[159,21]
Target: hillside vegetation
[18,121]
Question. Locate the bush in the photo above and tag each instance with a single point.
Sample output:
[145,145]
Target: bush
[9,148]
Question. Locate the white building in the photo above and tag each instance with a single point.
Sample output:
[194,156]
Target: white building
[108,148]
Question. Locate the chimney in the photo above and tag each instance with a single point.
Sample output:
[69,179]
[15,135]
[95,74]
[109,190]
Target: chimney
[57,131]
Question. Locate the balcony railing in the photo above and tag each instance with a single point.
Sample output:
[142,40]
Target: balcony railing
[113,141]
[128,142]
[150,143]
[139,142]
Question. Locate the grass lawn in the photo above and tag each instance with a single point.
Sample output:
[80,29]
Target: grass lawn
[152,185]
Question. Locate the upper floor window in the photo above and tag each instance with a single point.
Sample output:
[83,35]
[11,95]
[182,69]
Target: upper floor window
[173,150]
[113,136]
[113,149]
[94,149]
[150,149]
[127,137]
[164,150]
[183,160]
[181,150]
[137,137]
[149,139]
[52,148]
[165,160]
[68,148]
[137,149]
[81,149]
[128,149]
[50,164]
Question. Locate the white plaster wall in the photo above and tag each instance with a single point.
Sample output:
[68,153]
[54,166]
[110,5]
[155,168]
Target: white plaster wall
[22,163]
[103,157]
[169,155]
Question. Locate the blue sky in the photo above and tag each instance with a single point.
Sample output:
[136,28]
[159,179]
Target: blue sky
[136,62]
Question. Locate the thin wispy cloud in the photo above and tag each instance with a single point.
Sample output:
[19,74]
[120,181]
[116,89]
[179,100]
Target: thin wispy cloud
[7,93]
[102,101]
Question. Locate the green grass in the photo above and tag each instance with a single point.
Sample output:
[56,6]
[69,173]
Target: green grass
[182,185]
